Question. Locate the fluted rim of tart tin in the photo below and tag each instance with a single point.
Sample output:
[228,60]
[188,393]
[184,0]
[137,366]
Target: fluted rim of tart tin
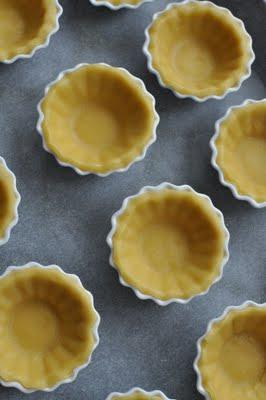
[214,321]
[115,7]
[162,186]
[94,329]
[41,45]
[137,389]
[213,147]
[193,97]
[137,81]
[14,221]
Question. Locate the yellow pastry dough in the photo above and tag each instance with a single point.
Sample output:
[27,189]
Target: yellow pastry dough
[8,200]
[25,25]
[46,327]
[168,244]
[198,49]
[233,356]
[241,150]
[98,119]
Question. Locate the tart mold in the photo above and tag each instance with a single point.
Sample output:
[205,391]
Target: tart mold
[14,222]
[214,321]
[213,147]
[196,98]
[42,45]
[167,185]
[75,372]
[115,7]
[133,390]
[140,157]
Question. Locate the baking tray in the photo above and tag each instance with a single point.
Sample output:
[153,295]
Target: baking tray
[64,218]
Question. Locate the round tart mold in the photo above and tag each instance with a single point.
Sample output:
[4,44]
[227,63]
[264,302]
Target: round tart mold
[118,4]
[10,199]
[49,327]
[97,119]
[26,27]
[239,151]
[198,50]
[231,356]
[168,243]
[138,394]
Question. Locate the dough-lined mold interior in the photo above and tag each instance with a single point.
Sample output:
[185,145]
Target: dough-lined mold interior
[168,244]
[198,49]
[97,119]
[241,149]
[233,356]
[25,25]
[8,200]
[46,327]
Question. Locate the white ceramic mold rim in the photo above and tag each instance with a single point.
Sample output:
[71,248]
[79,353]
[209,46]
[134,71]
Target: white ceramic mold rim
[114,7]
[162,186]
[136,80]
[42,45]
[224,182]
[137,389]
[75,372]
[196,98]
[14,222]
[213,322]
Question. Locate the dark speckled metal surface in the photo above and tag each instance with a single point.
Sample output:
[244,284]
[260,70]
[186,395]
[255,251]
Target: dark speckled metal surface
[64,218]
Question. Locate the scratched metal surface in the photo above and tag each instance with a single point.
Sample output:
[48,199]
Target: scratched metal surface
[64,218]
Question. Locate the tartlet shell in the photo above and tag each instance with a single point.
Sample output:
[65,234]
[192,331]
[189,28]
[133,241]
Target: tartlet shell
[196,98]
[41,45]
[167,185]
[131,391]
[140,157]
[213,147]
[114,7]
[14,222]
[75,372]
[246,304]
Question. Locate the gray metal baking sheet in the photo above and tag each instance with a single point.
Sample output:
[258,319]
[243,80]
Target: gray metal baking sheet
[64,218]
